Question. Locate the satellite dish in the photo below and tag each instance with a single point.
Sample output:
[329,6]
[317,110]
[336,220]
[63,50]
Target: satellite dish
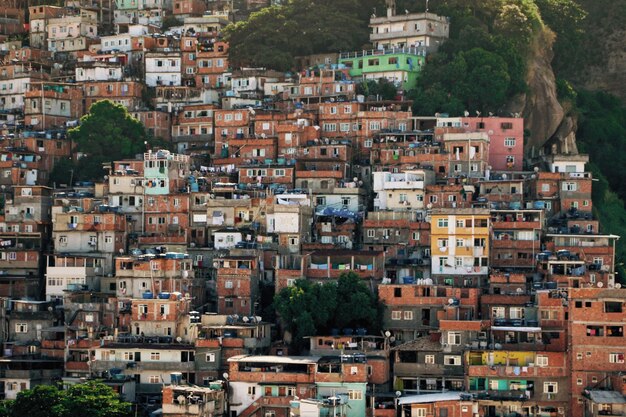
[179,339]
[245,319]
[450,301]
[181,399]
[600,284]
[387,333]
[429,206]
[618,285]
[504,176]
[519,290]
[466,113]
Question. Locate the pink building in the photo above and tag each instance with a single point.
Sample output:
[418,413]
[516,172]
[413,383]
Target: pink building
[506,137]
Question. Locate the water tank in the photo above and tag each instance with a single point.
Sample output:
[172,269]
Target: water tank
[176,378]
[164,295]
[148,295]
[539,205]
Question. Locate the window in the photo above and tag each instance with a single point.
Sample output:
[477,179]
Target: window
[396,315]
[128,356]
[371,232]
[251,390]
[442,222]
[569,186]
[460,243]
[210,357]
[516,313]
[442,243]
[454,338]
[616,357]
[509,142]
[541,361]
[419,412]
[497,312]
[21,328]
[228,284]
[506,125]
[452,360]
[550,387]
[154,379]
[408,315]
[429,359]
[355,395]
[155,356]
[613,307]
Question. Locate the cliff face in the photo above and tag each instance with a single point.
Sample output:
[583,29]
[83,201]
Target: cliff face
[611,75]
[544,117]
[605,47]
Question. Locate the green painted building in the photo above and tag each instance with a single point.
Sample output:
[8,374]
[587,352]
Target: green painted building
[352,395]
[398,65]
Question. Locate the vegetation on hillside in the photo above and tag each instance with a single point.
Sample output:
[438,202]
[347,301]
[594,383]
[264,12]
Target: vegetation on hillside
[602,135]
[107,133]
[308,309]
[273,36]
[91,399]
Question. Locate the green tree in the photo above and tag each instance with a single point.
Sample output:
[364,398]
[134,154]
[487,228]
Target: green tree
[308,309]
[41,401]
[273,36]
[91,399]
[566,18]
[382,88]
[357,306]
[107,133]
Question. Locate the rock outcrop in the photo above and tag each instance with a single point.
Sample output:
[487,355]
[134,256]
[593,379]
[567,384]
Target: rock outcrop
[544,117]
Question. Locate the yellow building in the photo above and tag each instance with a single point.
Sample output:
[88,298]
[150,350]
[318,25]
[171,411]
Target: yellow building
[459,241]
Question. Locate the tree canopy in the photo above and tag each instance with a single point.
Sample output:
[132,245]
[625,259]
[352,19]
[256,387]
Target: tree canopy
[308,309]
[273,36]
[90,399]
[107,133]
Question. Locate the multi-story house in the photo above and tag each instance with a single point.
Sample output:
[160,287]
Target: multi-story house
[460,243]
[412,310]
[468,154]
[38,20]
[291,220]
[15,80]
[127,93]
[222,337]
[135,276]
[96,233]
[212,62]
[72,33]
[187,400]
[237,284]
[285,377]
[325,265]
[24,234]
[450,195]
[424,30]
[51,105]
[401,191]
[400,66]
[192,129]
[506,138]
[162,68]
[515,238]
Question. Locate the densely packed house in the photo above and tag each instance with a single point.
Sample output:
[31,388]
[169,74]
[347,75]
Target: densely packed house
[498,286]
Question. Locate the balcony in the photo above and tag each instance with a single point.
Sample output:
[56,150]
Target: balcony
[503,395]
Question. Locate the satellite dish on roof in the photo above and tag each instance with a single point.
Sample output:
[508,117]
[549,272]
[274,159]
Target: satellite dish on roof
[600,284]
